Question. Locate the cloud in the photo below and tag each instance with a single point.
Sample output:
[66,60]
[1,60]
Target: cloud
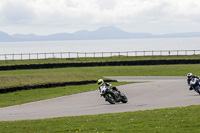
[86,14]
[13,12]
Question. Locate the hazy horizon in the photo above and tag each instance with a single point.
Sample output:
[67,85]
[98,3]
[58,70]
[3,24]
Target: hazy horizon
[95,30]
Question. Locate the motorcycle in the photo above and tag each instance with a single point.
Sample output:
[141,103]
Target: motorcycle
[112,95]
[195,84]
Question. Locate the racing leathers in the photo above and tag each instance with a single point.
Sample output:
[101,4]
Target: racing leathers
[189,79]
[107,85]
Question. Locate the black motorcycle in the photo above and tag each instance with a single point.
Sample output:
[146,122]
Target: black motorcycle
[112,95]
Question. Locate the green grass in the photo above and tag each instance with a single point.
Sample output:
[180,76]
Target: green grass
[38,76]
[173,120]
[178,120]
[98,59]
[25,96]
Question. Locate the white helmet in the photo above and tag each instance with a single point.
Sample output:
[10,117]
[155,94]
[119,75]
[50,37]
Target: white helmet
[100,82]
[189,75]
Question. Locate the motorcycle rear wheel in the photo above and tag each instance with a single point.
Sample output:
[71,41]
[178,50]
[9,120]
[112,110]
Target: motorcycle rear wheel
[124,99]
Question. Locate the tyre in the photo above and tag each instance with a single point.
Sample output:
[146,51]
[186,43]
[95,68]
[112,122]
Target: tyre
[124,99]
[198,91]
[110,99]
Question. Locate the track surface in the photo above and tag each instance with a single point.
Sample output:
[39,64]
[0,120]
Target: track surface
[161,92]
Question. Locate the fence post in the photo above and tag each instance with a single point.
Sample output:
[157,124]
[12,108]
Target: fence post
[13,57]
[102,54]
[5,57]
[127,54]
[69,54]
[29,56]
[194,52]
[21,56]
[110,54]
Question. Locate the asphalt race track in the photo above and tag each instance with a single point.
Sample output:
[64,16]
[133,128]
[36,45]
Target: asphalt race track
[160,92]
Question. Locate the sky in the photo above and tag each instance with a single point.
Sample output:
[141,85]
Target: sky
[44,17]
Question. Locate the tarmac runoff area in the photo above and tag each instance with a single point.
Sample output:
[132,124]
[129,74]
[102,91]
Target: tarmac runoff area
[160,92]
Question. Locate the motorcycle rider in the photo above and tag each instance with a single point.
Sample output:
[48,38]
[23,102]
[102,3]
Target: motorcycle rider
[190,76]
[101,83]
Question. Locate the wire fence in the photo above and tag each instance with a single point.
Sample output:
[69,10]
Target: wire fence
[64,55]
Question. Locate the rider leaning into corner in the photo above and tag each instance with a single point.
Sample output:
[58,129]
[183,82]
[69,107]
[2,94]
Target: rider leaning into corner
[190,76]
[101,83]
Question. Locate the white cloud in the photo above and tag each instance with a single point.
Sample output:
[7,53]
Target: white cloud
[15,12]
[51,16]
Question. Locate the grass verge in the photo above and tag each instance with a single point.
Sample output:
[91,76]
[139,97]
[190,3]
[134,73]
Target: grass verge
[39,76]
[173,120]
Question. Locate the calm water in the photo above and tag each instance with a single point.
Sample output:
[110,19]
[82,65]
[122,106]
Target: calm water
[101,45]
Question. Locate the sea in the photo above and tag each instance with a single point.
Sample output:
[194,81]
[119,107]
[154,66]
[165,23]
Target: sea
[117,45]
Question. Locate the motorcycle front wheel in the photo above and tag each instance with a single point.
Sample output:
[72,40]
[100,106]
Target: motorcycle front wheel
[198,91]
[110,99]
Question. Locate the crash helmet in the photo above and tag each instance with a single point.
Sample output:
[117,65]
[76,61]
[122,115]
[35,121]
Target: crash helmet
[100,82]
[189,75]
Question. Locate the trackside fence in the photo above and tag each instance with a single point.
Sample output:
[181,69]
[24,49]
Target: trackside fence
[62,55]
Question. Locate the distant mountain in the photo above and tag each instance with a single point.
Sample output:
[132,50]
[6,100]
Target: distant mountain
[25,37]
[109,32]
[4,37]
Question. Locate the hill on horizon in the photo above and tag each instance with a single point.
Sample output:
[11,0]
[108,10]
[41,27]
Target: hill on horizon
[109,32]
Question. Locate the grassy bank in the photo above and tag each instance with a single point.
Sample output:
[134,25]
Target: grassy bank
[97,59]
[174,120]
[38,76]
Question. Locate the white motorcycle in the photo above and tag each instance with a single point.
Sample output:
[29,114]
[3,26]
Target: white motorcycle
[195,84]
